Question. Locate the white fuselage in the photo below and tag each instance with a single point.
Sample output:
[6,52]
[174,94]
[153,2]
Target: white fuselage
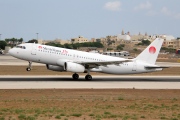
[50,55]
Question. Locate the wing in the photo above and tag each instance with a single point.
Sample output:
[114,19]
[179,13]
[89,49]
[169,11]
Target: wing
[103,63]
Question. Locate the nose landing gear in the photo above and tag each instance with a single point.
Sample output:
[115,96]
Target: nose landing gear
[29,67]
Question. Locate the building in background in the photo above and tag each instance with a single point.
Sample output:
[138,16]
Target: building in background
[80,39]
[91,49]
[57,41]
[111,42]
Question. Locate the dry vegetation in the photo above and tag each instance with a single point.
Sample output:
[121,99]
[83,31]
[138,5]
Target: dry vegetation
[90,104]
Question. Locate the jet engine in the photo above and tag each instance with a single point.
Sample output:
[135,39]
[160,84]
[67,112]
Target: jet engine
[73,67]
[55,68]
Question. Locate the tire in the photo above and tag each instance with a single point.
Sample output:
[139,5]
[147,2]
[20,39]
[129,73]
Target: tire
[75,76]
[28,69]
[88,77]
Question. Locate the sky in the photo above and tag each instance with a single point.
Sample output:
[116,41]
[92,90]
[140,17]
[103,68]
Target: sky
[66,19]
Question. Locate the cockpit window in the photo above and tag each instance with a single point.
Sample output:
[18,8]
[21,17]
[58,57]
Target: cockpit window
[18,46]
[22,47]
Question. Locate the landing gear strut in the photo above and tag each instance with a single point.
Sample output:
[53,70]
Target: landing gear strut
[29,67]
[75,76]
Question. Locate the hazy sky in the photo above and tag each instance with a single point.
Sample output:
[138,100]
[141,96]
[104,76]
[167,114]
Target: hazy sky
[66,19]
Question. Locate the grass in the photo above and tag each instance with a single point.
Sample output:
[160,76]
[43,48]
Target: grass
[76,114]
[120,98]
[30,118]
[37,113]
[91,105]
[142,116]
[174,99]
[107,113]
[22,117]
[18,111]
[2,118]
[58,117]
[174,119]
[113,116]
[62,114]
[163,117]
[91,114]
[126,117]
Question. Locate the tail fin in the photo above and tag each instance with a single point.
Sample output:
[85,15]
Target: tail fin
[150,54]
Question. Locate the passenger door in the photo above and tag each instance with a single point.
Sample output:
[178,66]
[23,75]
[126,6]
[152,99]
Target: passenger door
[34,49]
[134,66]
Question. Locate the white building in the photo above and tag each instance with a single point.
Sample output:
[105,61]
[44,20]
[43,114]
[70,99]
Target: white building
[123,37]
[164,36]
[168,37]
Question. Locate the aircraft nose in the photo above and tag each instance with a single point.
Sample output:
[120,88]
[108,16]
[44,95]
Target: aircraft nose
[11,52]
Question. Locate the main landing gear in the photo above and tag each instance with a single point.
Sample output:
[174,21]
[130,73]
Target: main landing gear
[88,77]
[75,76]
[29,67]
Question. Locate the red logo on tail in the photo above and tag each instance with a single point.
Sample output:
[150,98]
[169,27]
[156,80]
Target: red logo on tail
[152,50]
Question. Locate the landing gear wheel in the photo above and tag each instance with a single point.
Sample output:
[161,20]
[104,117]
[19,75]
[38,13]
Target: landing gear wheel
[28,69]
[75,76]
[88,77]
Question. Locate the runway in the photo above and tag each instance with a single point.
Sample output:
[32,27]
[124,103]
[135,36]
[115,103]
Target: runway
[98,82]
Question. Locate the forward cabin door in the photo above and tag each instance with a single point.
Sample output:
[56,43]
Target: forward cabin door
[34,49]
[134,66]
[74,57]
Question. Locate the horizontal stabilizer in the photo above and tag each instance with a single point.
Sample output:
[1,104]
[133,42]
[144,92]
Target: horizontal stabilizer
[155,67]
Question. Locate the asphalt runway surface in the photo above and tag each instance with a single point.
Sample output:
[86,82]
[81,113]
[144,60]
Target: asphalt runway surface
[98,82]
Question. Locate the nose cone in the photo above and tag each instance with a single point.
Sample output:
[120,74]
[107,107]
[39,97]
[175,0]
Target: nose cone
[14,52]
[11,52]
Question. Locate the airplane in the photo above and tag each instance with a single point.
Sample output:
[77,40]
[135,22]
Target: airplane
[62,59]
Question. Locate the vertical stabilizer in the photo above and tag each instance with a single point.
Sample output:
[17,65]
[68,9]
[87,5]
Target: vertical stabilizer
[150,54]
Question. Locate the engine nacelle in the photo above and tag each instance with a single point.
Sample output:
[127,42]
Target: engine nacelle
[61,62]
[73,67]
[54,68]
